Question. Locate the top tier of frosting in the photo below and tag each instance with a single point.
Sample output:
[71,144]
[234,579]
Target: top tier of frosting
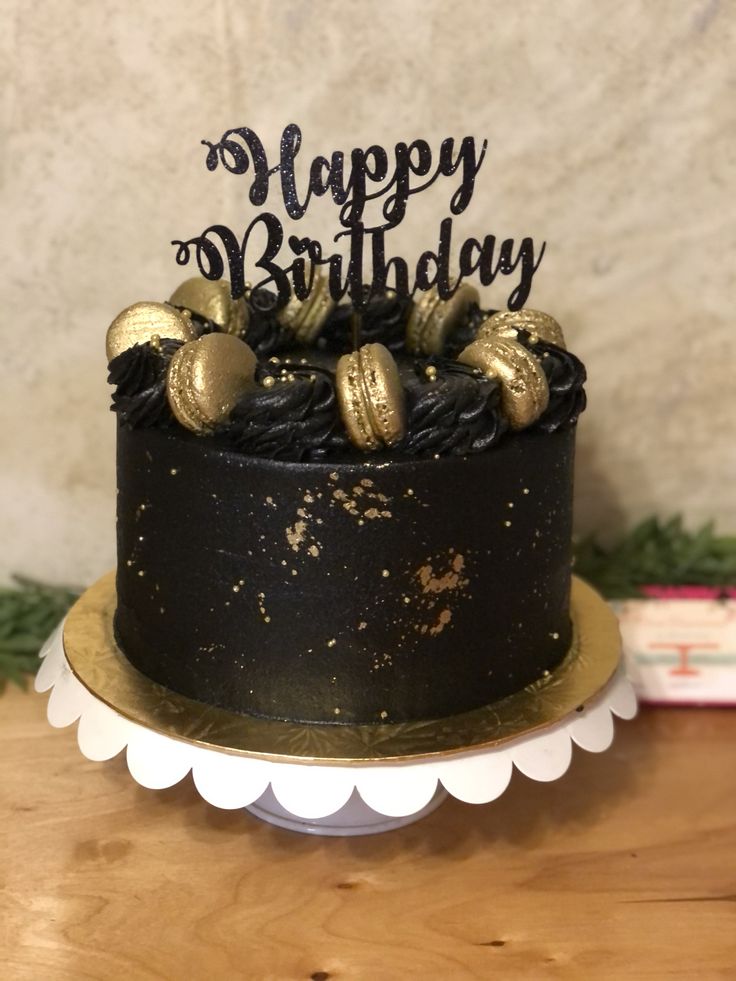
[312,381]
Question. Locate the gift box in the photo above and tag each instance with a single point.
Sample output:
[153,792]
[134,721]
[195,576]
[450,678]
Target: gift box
[673,593]
[680,645]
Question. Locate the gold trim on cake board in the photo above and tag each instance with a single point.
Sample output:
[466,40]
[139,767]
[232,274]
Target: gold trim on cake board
[98,664]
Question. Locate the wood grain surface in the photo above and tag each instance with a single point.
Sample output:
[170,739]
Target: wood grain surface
[625,868]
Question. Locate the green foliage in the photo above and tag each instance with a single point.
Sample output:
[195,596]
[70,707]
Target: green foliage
[29,611]
[658,553]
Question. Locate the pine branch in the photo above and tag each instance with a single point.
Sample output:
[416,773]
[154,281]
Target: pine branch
[660,553]
[29,611]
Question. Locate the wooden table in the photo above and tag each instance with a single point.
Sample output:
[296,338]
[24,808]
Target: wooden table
[625,868]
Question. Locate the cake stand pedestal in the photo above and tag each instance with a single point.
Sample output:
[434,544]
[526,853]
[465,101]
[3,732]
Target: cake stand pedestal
[320,797]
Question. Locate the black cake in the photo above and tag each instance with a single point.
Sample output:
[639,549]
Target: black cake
[270,566]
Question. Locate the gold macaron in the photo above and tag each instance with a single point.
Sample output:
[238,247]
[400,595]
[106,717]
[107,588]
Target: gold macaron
[524,388]
[211,299]
[142,322]
[206,378]
[371,397]
[507,323]
[432,319]
[306,318]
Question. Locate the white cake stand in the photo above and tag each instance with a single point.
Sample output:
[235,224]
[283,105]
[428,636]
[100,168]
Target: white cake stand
[319,798]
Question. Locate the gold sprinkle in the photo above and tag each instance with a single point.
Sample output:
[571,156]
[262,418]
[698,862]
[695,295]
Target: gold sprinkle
[267,619]
[385,573]
[407,599]
[337,711]
[274,360]
[331,643]
[362,625]
[510,504]
[444,619]
[410,492]
[293,572]
[141,572]
[451,579]
[555,636]
[313,550]
[334,476]
[431,372]
[372,513]
[236,588]
[525,491]
[295,535]
[269,381]
[383,714]
[173,471]
[507,523]
[129,562]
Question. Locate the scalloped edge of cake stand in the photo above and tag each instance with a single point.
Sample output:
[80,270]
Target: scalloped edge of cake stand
[325,799]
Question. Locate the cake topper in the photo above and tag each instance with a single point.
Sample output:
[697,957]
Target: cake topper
[359,183]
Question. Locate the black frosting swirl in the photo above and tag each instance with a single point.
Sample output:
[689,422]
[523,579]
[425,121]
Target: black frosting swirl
[139,377]
[264,333]
[456,413]
[295,419]
[465,333]
[565,376]
[383,321]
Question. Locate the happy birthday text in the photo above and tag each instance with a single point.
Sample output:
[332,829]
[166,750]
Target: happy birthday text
[354,181]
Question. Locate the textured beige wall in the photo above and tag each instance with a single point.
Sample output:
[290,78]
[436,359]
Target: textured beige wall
[612,136]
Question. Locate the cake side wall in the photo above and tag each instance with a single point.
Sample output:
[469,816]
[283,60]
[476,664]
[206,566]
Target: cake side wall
[378,590]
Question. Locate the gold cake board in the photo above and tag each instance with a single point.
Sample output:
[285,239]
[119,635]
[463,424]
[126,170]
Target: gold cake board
[98,663]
